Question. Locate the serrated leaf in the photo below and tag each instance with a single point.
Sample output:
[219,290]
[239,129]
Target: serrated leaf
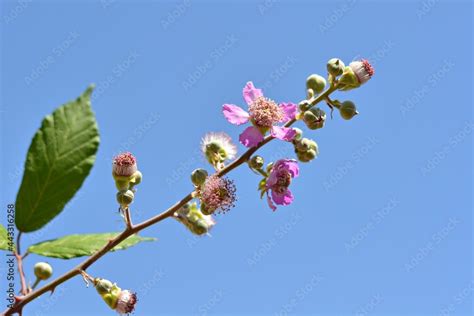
[74,246]
[59,159]
[3,238]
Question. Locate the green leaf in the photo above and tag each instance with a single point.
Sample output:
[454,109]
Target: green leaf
[3,238]
[59,159]
[74,246]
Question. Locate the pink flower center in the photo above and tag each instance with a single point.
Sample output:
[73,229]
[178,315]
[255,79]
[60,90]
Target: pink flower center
[368,67]
[265,112]
[219,194]
[125,159]
[283,181]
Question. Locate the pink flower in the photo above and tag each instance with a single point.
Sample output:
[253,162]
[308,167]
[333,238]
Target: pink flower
[218,194]
[281,174]
[362,69]
[263,113]
[126,302]
[124,164]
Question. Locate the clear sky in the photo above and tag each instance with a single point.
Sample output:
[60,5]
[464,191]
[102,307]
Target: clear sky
[382,220]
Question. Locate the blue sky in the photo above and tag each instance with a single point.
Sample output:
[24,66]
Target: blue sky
[382,220]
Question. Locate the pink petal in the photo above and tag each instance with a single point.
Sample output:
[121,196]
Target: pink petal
[283,133]
[290,110]
[284,198]
[251,93]
[251,137]
[291,165]
[270,203]
[235,114]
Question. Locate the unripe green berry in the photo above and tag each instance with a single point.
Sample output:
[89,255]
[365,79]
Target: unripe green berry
[309,117]
[43,270]
[256,162]
[198,176]
[314,118]
[125,197]
[103,286]
[335,67]
[316,83]
[348,110]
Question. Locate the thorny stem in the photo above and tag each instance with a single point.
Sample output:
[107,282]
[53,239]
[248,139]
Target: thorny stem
[133,229]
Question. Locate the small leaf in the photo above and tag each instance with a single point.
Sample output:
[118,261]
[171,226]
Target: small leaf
[59,159]
[74,246]
[4,240]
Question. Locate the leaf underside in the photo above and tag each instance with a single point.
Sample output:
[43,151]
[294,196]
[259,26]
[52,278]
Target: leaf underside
[59,159]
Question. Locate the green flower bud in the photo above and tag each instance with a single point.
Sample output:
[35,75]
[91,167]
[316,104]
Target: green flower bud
[335,67]
[125,197]
[198,176]
[136,179]
[303,145]
[103,286]
[316,83]
[314,118]
[205,210]
[256,162]
[43,270]
[348,110]
[299,133]
[309,93]
[304,105]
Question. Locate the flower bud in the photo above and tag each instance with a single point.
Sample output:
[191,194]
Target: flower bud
[306,149]
[256,162]
[137,178]
[316,83]
[123,301]
[362,69]
[124,165]
[348,110]
[217,148]
[198,176]
[335,67]
[314,118]
[125,197]
[348,80]
[43,270]
[194,219]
